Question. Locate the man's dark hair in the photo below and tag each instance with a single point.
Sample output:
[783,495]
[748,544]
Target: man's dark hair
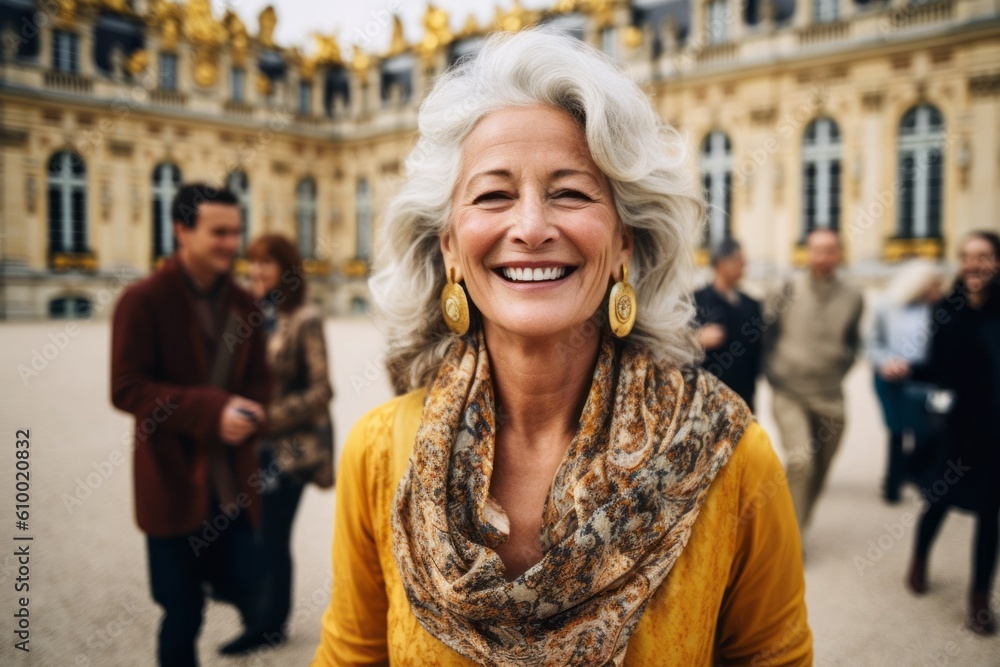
[724,249]
[184,208]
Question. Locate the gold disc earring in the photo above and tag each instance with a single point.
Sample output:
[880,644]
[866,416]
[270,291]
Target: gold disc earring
[621,306]
[455,306]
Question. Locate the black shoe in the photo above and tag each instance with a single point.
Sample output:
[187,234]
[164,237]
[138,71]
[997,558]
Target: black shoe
[254,639]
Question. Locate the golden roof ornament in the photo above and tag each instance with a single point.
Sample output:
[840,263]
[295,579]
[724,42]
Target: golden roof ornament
[200,26]
[470,29]
[264,84]
[437,32]
[266,22]
[398,44]
[206,35]
[166,17]
[327,50]
[566,6]
[360,62]
[516,19]
[137,62]
[67,9]
[239,38]
[306,64]
[633,37]
[602,10]
[117,6]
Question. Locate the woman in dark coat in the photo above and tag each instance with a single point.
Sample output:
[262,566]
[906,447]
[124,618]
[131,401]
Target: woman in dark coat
[965,357]
[297,447]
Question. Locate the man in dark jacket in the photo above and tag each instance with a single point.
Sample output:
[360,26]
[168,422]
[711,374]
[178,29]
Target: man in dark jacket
[188,361]
[727,318]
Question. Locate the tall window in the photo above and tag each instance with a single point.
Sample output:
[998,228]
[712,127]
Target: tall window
[305,216]
[608,42]
[67,203]
[168,71]
[305,97]
[166,181]
[717,21]
[237,83]
[364,208]
[397,73]
[717,177]
[821,152]
[240,185]
[65,52]
[921,175]
[825,11]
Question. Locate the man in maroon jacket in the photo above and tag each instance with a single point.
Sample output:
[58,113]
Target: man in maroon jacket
[188,360]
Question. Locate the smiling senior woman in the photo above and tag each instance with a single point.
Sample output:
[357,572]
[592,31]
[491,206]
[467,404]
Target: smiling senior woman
[554,488]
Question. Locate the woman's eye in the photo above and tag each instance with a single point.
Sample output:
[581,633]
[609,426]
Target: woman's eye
[490,196]
[572,194]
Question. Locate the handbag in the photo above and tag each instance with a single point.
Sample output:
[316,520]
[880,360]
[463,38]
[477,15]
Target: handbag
[926,409]
[306,454]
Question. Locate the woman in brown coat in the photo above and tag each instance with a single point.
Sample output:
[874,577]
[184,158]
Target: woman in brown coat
[298,445]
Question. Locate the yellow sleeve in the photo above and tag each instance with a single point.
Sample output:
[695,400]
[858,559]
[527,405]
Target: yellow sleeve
[354,625]
[763,618]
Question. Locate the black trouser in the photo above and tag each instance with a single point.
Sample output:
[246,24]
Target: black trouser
[280,500]
[180,566]
[985,546]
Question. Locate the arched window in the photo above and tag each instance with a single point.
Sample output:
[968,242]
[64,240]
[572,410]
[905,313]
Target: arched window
[717,21]
[70,307]
[364,215]
[821,153]
[921,174]
[825,11]
[305,216]
[166,181]
[67,203]
[717,177]
[239,184]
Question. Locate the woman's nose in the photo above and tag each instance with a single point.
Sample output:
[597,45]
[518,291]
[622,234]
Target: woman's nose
[532,227]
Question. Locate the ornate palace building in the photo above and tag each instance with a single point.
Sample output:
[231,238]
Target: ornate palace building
[880,119]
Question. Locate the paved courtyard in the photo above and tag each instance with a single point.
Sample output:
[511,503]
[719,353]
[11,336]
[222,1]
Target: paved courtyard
[89,596]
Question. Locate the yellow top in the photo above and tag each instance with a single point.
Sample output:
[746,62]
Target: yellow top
[736,594]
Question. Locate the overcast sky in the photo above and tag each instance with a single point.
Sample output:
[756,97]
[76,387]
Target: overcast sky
[299,19]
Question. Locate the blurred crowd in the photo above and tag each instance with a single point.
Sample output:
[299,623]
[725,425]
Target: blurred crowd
[933,341]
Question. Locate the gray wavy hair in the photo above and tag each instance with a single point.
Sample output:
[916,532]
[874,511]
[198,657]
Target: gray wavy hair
[652,179]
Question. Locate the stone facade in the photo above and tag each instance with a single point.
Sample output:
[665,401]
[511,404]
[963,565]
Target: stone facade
[881,119]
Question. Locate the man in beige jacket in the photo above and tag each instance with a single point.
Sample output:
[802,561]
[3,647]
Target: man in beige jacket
[811,337]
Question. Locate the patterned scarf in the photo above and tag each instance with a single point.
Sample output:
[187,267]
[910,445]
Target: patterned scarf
[624,499]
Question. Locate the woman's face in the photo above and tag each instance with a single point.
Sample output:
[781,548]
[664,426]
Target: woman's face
[533,231]
[977,263]
[264,276]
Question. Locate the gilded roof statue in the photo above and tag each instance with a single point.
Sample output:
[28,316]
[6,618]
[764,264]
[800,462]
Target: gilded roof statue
[264,86]
[471,27]
[602,10]
[360,62]
[165,17]
[67,9]
[437,32]
[398,44]
[565,6]
[137,62]
[200,26]
[516,18]
[239,38]
[118,6]
[266,22]
[207,35]
[327,50]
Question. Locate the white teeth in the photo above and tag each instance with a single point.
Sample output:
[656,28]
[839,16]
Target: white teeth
[534,275]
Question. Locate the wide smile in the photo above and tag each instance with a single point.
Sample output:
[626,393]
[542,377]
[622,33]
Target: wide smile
[536,274]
